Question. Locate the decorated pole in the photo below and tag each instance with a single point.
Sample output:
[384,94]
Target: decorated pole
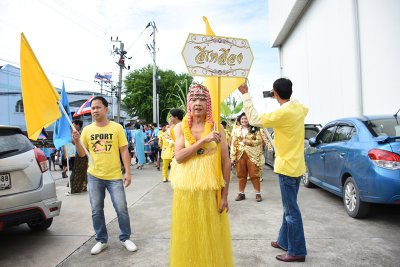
[217,56]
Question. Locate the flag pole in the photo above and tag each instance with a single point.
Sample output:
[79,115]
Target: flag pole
[68,174]
[73,127]
[218,128]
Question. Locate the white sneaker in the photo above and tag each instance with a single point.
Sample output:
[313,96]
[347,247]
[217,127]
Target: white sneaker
[99,247]
[129,245]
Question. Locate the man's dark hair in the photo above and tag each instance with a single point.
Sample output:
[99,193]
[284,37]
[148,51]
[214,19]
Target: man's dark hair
[176,112]
[283,87]
[137,126]
[78,122]
[155,125]
[102,99]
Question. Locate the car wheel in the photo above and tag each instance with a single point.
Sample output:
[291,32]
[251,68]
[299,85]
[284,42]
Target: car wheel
[41,226]
[351,199]
[306,180]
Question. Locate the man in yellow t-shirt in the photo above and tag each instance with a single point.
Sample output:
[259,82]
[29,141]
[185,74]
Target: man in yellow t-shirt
[288,124]
[105,140]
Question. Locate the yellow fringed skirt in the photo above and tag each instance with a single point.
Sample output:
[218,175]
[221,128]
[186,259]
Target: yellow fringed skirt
[200,235]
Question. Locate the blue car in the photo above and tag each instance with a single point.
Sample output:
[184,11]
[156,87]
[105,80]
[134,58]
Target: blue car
[357,159]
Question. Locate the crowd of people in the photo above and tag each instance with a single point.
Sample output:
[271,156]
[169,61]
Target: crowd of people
[185,151]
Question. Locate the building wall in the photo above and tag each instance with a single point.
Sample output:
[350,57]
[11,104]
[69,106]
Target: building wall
[380,55]
[334,74]
[10,93]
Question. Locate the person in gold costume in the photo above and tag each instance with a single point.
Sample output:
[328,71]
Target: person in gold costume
[246,153]
[200,230]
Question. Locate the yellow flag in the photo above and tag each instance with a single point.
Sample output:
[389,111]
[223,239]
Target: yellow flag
[38,95]
[227,85]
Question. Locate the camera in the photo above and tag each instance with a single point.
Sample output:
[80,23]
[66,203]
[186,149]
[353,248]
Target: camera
[268,94]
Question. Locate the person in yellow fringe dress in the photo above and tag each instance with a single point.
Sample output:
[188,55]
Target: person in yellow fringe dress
[200,230]
[167,153]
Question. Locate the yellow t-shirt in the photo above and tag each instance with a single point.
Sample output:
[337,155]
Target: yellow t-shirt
[288,124]
[160,136]
[103,144]
[167,145]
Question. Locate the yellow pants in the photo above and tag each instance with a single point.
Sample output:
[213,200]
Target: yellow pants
[165,165]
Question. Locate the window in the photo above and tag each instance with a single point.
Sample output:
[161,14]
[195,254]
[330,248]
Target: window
[326,135]
[13,142]
[310,133]
[19,107]
[343,133]
[383,127]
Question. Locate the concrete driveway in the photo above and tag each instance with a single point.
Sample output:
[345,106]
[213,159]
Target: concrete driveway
[333,238]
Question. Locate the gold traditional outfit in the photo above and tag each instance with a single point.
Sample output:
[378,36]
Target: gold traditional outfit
[253,146]
[248,157]
[200,235]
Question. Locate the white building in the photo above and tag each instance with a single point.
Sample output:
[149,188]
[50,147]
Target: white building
[342,56]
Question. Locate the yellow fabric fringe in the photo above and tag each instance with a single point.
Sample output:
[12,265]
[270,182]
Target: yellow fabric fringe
[200,235]
[197,173]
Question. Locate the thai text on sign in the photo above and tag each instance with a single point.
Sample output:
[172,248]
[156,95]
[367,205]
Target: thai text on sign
[206,55]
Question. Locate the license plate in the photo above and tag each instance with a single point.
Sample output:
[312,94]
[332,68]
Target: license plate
[5,181]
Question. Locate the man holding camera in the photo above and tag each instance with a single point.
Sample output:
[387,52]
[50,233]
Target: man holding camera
[288,124]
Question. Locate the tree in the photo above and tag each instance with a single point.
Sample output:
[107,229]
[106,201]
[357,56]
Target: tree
[139,92]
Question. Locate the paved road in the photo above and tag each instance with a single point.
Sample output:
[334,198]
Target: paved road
[333,238]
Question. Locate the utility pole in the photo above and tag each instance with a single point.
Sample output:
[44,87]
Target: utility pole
[121,63]
[152,49]
[158,108]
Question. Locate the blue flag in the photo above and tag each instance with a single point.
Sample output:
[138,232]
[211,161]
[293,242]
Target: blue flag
[62,130]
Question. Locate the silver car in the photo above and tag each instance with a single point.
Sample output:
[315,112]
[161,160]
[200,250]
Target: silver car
[27,189]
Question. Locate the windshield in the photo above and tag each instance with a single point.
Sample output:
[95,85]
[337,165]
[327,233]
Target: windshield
[13,143]
[383,127]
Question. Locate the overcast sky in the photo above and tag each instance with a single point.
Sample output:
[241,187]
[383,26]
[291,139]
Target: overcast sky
[71,39]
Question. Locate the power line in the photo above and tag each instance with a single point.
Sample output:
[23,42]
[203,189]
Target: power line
[75,22]
[137,38]
[139,48]
[84,18]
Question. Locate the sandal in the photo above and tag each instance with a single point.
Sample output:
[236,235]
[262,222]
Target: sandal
[240,196]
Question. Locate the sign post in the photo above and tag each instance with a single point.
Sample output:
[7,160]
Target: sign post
[217,56]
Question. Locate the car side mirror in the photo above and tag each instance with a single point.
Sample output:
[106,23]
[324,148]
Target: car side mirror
[312,141]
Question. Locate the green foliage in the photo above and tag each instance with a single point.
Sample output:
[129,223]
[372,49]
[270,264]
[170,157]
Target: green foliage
[180,93]
[139,92]
[230,108]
